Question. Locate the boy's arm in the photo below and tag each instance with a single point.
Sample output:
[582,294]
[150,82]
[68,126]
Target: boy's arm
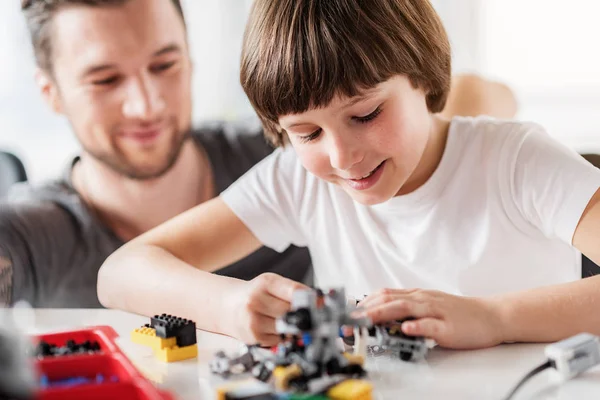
[587,234]
[553,313]
[168,270]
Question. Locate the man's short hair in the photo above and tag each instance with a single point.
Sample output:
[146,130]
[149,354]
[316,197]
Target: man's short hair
[39,15]
[300,54]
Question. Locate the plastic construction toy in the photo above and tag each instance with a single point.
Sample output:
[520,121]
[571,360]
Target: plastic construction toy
[307,363]
[248,389]
[75,381]
[389,339]
[172,338]
[244,362]
[408,348]
[102,373]
[45,349]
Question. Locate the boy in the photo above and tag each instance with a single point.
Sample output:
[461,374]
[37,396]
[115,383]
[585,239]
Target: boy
[391,199]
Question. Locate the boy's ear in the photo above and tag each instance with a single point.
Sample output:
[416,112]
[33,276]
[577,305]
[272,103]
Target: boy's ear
[280,130]
[49,90]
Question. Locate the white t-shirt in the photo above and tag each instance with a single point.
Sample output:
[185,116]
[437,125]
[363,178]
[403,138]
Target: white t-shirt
[497,215]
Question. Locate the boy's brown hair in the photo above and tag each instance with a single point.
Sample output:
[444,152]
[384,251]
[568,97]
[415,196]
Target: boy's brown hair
[39,15]
[300,54]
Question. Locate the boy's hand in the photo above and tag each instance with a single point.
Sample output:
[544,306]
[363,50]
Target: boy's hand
[255,308]
[452,321]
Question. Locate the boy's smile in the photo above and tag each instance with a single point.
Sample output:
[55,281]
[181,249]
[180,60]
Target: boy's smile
[367,181]
[375,146]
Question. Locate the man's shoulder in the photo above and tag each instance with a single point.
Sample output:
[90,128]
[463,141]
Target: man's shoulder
[27,192]
[243,138]
[233,148]
[32,211]
[48,196]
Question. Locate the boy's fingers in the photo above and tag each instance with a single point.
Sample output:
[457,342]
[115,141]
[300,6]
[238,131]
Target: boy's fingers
[429,327]
[385,295]
[261,325]
[281,287]
[271,306]
[268,340]
[383,299]
[397,310]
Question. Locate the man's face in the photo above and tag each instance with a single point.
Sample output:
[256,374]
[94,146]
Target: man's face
[122,76]
[369,145]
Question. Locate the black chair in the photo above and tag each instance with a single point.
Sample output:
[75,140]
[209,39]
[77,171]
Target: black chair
[588,267]
[12,171]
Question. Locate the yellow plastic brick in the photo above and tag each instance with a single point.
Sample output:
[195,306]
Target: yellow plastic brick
[283,375]
[147,337]
[355,358]
[351,389]
[176,353]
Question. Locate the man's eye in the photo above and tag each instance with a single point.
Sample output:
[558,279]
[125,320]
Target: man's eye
[312,136]
[369,117]
[106,82]
[162,67]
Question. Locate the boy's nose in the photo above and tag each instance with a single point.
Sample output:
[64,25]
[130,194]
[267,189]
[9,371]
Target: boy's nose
[344,154]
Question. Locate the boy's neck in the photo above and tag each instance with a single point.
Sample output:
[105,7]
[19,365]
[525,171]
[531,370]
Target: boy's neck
[432,155]
[131,207]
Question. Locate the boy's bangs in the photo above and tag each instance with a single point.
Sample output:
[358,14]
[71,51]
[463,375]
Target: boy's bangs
[305,80]
[313,59]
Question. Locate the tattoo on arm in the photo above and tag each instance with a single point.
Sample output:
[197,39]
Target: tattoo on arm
[6,281]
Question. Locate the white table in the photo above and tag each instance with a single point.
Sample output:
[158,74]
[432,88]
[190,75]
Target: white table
[445,374]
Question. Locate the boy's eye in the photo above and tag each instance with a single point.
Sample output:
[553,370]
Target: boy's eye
[312,136]
[107,81]
[162,66]
[368,117]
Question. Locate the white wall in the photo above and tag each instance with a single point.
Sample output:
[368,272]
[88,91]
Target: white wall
[27,127]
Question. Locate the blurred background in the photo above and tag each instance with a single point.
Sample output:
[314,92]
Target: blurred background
[542,49]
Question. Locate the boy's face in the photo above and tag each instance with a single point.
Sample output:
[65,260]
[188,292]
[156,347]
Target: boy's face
[369,145]
[122,76]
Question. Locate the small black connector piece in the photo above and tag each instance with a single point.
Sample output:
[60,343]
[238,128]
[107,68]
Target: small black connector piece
[168,326]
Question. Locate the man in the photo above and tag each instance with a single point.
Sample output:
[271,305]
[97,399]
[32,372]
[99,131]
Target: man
[120,71]
[126,92]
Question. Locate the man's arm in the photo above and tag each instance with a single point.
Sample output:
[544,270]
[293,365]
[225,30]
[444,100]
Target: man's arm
[16,273]
[6,278]
[471,95]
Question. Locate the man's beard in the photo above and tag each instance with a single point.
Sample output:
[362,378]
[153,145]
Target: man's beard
[119,164]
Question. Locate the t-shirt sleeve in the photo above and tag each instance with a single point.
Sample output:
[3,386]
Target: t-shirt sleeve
[551,183]
[267,199]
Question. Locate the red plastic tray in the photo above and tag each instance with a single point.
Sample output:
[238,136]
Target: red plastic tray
[109,362]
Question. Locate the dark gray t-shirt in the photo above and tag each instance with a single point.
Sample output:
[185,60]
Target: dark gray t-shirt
[51,246]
